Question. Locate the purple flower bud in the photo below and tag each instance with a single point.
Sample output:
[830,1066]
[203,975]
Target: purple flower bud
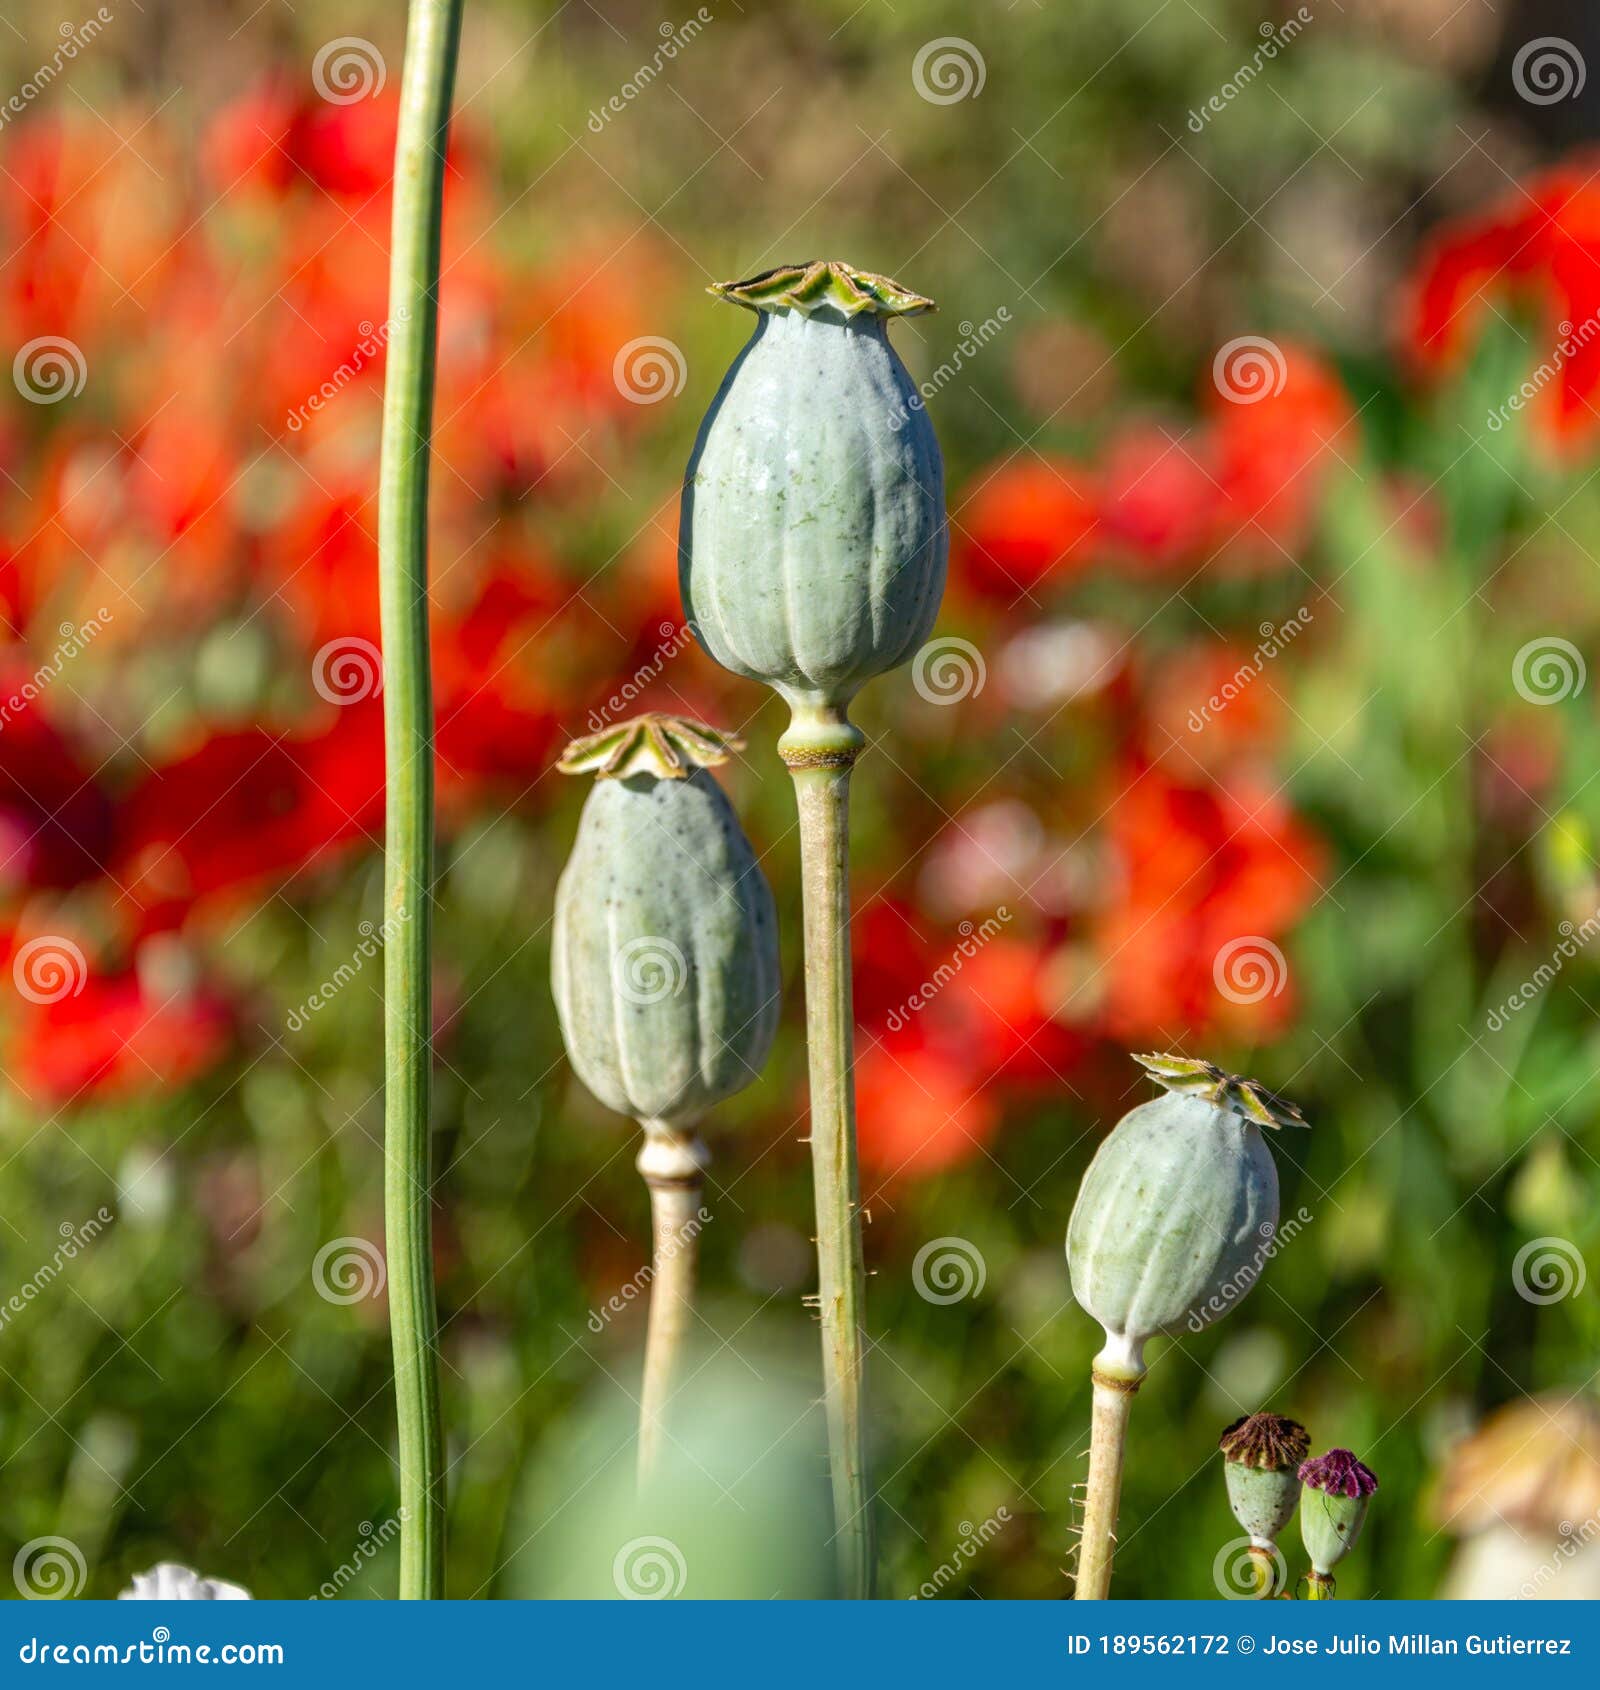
[1338,1473]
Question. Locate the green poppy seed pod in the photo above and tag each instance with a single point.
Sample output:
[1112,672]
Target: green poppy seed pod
[1176,1209]
[664,958]
[813,537]
[1337,1490]
[1261,1456]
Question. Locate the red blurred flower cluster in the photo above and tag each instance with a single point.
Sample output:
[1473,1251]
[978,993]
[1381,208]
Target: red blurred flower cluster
[188,542]
[1236,493]
[1538,248]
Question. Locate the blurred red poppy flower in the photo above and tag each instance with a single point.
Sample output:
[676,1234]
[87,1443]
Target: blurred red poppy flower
[1211,877]
[1541,244]
[56,820]
[1025,520]
[248,806]
[1272,456]
[1159,497]
[921,1107]
[117,1037]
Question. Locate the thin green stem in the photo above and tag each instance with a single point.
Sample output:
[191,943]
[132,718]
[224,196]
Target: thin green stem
[433,30]
[1319,1586]
[1108,1437]
[820,749]
[673,1163]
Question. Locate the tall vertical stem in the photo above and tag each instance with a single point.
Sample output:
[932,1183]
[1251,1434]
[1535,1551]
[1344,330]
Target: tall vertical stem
[1108,1436]
[820,749]
[432,32]
[673,1163]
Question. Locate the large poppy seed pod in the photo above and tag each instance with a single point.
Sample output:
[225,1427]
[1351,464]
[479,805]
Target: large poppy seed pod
[1261,1456]
[1337,1490]
[813,537]
[1176,1209]
[665,950]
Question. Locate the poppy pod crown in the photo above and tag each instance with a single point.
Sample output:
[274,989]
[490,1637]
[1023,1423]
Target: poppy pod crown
[824,287]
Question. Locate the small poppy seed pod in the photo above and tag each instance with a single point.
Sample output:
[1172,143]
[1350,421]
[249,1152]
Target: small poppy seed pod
[813,538]
[1175,1209]
[1337,1488]
[664,963]
[1261,1456]
[1167,1231]
[664,959]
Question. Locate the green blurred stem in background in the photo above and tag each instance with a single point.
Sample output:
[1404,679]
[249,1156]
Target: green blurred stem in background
[432,33]
[820,749]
